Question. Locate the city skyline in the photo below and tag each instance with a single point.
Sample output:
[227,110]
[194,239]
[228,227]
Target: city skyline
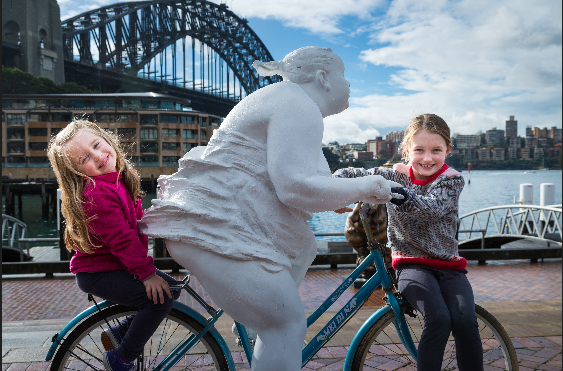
[474,63]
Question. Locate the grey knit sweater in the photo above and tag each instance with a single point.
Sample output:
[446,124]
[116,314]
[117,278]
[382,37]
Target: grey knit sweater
[423,229]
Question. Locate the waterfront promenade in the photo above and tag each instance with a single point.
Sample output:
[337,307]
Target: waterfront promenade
[525,297]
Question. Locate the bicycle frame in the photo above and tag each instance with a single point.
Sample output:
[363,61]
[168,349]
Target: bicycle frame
[353,305]
[321,338]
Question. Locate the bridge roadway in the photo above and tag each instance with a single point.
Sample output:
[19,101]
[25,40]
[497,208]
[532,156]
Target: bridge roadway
[525,297]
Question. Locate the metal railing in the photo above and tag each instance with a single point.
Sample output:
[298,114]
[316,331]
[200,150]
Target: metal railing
[524,221]
[11,235]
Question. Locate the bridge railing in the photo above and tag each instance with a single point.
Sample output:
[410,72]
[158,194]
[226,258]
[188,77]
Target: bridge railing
[12,231]
[526,221]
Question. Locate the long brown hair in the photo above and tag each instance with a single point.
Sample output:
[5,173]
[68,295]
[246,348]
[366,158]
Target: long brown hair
[430,122]
[71,182]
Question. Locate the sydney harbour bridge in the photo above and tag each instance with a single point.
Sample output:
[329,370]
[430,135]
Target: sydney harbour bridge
[192,49]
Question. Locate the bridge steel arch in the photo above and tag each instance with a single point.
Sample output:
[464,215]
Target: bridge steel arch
[128,36]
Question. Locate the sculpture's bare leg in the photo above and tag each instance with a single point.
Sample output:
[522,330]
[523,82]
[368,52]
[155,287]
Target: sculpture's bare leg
[267,302]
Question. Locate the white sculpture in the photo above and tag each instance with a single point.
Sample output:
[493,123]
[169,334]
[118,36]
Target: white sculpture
[235,214]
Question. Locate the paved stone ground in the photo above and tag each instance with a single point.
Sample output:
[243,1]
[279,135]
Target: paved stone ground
[526,298]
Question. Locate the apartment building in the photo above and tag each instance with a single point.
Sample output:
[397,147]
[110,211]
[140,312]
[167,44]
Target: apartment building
[512,153]
[525,154]
[483,154]
[157,129]
[467,141]
[497,154]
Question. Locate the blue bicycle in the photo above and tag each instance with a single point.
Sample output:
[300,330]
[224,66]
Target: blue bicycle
[186,340]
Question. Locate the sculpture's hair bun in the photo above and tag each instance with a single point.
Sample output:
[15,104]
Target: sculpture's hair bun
[269,68]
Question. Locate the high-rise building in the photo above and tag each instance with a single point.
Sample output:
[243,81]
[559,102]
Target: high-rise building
[540,133]
[494,136]
[511,128]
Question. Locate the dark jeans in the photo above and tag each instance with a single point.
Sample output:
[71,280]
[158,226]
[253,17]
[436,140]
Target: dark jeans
[120,287]
[445,300]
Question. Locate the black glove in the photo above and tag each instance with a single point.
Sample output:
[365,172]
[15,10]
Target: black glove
[402,192]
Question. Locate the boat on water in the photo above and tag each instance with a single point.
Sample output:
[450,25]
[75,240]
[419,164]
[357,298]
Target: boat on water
[529,172]
[543,165]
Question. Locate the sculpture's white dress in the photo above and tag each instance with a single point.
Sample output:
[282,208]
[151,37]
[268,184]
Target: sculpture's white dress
[222,199]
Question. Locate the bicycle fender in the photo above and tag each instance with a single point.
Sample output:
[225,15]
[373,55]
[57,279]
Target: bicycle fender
[360,335]
[73,322]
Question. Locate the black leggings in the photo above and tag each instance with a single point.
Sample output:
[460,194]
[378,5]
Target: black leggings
[120,287]
[445,300]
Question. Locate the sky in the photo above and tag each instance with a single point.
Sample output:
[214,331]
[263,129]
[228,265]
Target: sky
[475,63]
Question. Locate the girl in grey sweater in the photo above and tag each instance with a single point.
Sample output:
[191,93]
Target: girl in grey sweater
[422,231]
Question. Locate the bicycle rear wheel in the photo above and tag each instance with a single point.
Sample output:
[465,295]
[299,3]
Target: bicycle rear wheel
[381,345]
[82,349]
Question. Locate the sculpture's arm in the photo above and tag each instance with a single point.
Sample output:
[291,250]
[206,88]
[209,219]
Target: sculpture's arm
[294,139]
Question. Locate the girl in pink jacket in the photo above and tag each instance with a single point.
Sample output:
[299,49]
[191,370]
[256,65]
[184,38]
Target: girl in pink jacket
[101,203]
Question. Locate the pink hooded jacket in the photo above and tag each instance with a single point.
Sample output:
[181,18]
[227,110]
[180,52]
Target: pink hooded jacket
[115,228]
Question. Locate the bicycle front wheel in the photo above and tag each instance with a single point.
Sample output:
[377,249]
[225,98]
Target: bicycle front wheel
[83,350]
[381,346]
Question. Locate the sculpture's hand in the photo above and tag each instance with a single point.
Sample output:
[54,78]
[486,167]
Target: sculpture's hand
[380,192]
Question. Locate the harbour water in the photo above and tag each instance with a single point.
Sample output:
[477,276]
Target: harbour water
[487,188]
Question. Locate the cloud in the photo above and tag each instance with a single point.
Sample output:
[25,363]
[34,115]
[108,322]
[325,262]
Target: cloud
[322,17]
[473,62]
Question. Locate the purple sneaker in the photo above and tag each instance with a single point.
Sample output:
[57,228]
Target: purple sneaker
[112,362]
[111,337]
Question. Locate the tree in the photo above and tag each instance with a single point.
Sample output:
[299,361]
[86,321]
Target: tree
[332,158]
[16,81]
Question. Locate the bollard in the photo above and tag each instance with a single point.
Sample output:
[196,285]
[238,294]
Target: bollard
[547,198]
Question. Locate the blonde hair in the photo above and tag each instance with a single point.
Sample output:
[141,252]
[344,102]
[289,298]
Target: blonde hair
[430,122]
[300,65]
[71,182]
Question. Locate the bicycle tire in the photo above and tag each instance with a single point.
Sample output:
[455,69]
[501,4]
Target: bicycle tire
[381,345]
[82,349]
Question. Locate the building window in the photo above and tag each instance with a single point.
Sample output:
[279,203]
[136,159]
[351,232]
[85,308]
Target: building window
[16,147]
[203,135]
[169,118]
[188,146]
[15,119]
[170,132]
[104,117]
[16,160]
[40,161]
[131,104]
[105,104]
[167,105]
[38,117]
[170,146]
[215,122]
[149,161]
[126,133]
[126,117]
[37,146]
[55,131]
[150,104]
[149,147]
[15,133]
[190,134]
[37,132]
[149,134]
[149,120]
[202,122]
[60,117]
[187,119]
[170,160]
